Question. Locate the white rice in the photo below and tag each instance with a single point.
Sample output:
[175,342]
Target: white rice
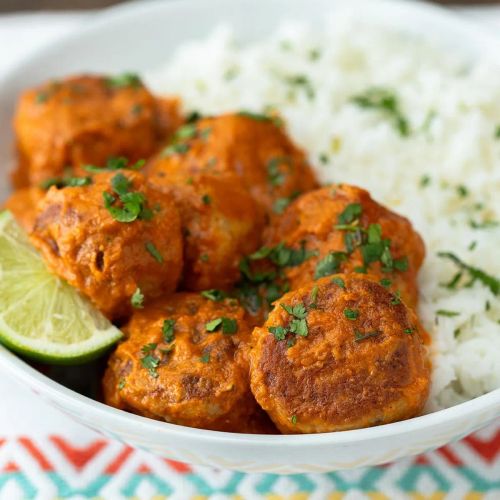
[453,109]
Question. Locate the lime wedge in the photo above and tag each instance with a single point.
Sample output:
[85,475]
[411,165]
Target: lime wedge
[41,316]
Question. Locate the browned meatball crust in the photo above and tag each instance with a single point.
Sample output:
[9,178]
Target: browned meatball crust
[85,120]
[111,253]
[257,150]
[345,230]
[221,224]
[185,361]
[342,353]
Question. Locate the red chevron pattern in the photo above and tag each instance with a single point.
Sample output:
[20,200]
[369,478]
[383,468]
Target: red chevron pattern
[53,467]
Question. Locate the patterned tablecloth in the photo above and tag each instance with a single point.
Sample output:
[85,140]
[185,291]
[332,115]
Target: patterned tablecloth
[46,456]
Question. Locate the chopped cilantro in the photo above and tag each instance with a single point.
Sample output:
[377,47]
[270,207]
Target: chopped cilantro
[207,200]
[274,176]
[462,191]
[255,116]
[329,264]
[279,332]
[187,131]
[359,336]
[293,419]
[148,360]
[351,314]
[174,149]
[150,247]
[214,295]
[396,299]
[446,313]
[303,82]
[61,182]
[121,384]
[168,330]
[229,326]
[280,205]
[124,80]
[386,102]
[475,274]
[205,358]
[137,299]
[41,97]
[425,180]
[487,224]
[352,212]
[385,282]
[213,325]
[204,257]
[313,297]
[133,203]
[339,282]
[409,331]
[115,163]
[323,158]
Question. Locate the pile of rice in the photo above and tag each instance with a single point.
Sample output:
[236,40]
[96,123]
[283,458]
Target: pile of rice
[444,176]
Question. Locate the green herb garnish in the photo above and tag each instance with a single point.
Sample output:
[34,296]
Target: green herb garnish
[115,163]
[205,358]
[351,314]
[168,330]
[137,299]
[124,80]
[274,176]
[61,182]
[329,264]
[174,149]
[352,212]
[359,336]
[150,247]
[387,103]
[133,204]
[339,282]
[214,295]
[446,313]
[148,360]
[303,82]
[475,274]
[229,326]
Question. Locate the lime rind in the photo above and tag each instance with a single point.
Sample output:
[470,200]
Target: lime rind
[41,316]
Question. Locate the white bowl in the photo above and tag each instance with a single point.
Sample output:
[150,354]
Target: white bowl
[138,37]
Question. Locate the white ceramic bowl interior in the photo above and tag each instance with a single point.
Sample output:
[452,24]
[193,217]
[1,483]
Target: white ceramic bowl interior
[141,36]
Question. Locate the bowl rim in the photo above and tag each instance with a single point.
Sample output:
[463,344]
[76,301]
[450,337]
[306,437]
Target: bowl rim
[41,383]
[21,370]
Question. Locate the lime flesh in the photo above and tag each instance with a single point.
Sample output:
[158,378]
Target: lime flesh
[41,316]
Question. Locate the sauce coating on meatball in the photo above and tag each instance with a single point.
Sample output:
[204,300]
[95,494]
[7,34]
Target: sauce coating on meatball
[258,151]
[86,120]
[116,240]
[185,361]
[344,230]
[342,353]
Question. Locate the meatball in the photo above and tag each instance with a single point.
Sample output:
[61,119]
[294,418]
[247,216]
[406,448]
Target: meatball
[22,204]
[342,353]
[221,224]
[342,229]
[86,120]
[117,240]
[185,361]
[254,148]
